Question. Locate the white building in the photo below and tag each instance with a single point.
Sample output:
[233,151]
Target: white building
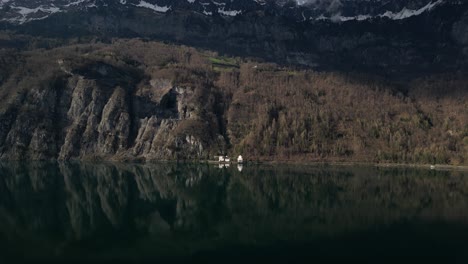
[223,159]
[240,159]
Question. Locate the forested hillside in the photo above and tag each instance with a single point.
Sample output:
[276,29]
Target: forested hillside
[145,100]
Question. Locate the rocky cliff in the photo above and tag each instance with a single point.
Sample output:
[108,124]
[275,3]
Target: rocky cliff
[93,109]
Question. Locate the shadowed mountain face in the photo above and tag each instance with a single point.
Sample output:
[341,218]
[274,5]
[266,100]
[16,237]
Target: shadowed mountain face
[23,11]
[388,37]
[116,211]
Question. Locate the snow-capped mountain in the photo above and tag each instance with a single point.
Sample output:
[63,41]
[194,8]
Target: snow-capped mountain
[392,35]
[23,11]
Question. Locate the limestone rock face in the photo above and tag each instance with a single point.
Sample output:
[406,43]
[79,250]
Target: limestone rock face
[103,112]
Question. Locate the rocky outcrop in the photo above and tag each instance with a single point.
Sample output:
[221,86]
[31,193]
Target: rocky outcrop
[100,111]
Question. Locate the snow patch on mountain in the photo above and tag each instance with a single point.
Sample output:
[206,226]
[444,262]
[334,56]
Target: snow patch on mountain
[23,11]
[403,14]
[30,14]
[406,13]
[161,9]
[79,2]
[224,12]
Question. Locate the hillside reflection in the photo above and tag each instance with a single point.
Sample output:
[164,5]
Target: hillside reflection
[122,210]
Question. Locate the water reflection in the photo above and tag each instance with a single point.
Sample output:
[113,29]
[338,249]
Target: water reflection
[167,210]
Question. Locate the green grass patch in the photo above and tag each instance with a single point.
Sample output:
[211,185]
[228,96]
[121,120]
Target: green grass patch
[224,61]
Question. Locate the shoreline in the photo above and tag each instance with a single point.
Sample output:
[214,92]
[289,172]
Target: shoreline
[436,167]
[370,164]
[439,167]
[351,163]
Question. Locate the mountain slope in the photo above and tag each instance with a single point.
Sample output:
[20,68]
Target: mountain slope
[374,81]
[352,36]
[149,101]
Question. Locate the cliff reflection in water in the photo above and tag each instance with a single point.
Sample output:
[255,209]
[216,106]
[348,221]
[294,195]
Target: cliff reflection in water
[165,210]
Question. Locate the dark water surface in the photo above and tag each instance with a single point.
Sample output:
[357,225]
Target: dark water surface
[200,213]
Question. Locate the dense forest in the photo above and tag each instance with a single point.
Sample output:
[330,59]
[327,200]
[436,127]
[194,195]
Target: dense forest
[144,100]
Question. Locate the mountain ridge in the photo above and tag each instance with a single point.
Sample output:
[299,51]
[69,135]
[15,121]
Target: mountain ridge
[433,41]
[19,12]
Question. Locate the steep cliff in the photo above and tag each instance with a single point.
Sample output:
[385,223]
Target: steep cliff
[87,108]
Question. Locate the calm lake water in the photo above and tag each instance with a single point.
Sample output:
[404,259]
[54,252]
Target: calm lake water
[201,213]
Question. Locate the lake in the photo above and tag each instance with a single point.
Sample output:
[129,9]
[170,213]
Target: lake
[202,213]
